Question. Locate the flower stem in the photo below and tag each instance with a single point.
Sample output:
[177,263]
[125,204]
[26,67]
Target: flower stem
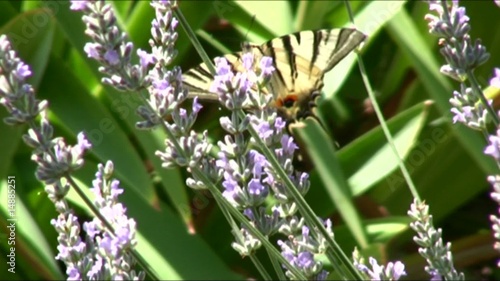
[192,37]
[479,93]
[304,208]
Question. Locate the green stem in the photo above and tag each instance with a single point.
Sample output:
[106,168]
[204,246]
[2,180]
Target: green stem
[479,93]
[277,267]
[137,256]
[243,220]
[221,201]
[192,37]
[303,207]
[262,270]
[387,132]
[224,204]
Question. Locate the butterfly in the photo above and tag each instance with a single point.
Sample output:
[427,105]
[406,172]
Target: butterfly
[300,60]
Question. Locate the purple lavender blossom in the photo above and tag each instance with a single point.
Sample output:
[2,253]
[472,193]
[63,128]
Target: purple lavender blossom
[110,47]
[231,89]
[301,258]
[267,68]
[145,58]
[493,149]
[106,254]
[255,192]
[452,25]
[392,271]
[245,243]
[78,5]
[184,147]
[111,244]
[495,81]
[248,175]
[55,161]
[470,107]
[495,220]
[72,251]
[244,177]
[268,224]
[22,71]
[16,95]
[467,109]
[305,260]
[438,254]
[64,159]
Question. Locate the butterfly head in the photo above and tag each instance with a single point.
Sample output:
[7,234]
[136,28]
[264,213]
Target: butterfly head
[295,107]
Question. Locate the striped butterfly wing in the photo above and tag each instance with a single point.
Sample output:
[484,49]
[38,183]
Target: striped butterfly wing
[199,79]
[300,59]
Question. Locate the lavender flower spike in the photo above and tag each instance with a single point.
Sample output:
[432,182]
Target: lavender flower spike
[438,255]
[110,47]
[495,81]
[495,220]
[452,25]
[106,254]
[392,271]
[493,149]
[16,95]
[248,176]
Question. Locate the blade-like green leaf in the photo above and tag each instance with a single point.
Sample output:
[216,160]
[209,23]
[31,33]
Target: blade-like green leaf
[365,22]
[163,242]
[32,41]
[266,14]
[405,34]
[124,105]
[81,112]
[322,153]
[28,240]
[369,159]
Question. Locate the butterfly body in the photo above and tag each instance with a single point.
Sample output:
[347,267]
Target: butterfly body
[300,59]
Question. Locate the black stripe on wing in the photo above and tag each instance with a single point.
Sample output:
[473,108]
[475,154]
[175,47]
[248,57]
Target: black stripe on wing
[292,62]
[317,36]
[198,80]
[347,40]
[200,74]
[271,53]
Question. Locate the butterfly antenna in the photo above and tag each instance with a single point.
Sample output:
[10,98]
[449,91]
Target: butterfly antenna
[245,46]
[250,27]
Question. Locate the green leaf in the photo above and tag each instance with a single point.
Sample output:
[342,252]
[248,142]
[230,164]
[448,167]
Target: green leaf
[311,14]
[32,40]
[365,23]
[81,112]
[361,164]
[379,231]
[322,153]
[266,15]
[123,106]
[369,158]
[29,244]
[405,34]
